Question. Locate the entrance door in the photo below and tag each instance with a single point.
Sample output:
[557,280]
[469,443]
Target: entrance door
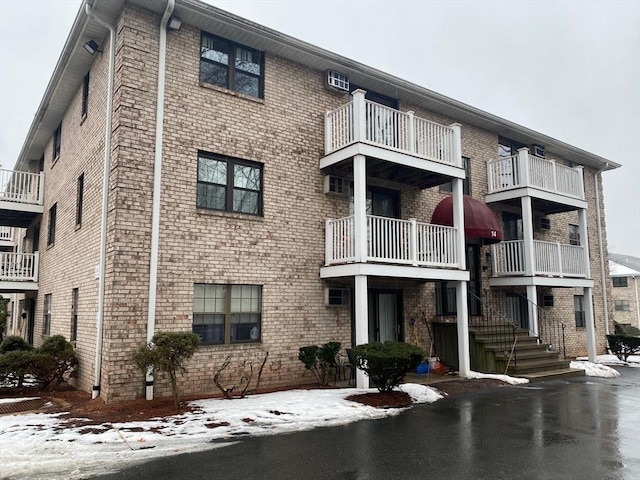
[385,316]
[517,310]
[29,304]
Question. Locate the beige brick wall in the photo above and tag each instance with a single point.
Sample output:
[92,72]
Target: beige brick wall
[630,294]
[282,250]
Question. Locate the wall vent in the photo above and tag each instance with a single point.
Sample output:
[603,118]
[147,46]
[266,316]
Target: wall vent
[537,150]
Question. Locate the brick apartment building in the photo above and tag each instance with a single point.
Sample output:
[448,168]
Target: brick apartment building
[189,170]
[625,273]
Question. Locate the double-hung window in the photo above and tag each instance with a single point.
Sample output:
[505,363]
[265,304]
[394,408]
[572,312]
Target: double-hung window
[51,232]
[227,313]
[574,235]
[622,306]
[57,142]
[578,310]
[230,65]
[74,315]
[79,199]
[230,184]
[46,317]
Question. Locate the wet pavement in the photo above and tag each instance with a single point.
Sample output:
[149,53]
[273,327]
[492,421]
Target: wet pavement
[580,428]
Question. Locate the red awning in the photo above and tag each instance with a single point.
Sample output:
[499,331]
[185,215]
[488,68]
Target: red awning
[479,221]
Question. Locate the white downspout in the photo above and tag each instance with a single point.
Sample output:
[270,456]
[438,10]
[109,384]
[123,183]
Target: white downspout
[603,273]
[95,391]
[157,177]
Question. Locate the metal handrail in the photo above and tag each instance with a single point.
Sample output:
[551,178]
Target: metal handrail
[550,329]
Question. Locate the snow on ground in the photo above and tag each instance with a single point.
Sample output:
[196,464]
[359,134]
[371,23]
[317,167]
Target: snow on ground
[504,378]
[90,450]
[632,361]
[78,452]
[595,369]
[16,400]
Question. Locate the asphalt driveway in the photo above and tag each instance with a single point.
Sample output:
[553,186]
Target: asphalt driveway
[580,428]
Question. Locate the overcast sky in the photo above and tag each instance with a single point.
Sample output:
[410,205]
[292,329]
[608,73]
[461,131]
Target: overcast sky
[568,69]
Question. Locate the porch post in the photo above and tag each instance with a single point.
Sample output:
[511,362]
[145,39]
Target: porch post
[462,319]
[362,323]
[589,321]
[360,207]
[532,306]
[359,116]
[527,233]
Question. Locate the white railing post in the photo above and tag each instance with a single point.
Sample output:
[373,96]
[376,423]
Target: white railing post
[413,241]
[559,250]
[584,240]
[36,266]
[456,144]
[359,116]
[328,133]
[527,231]
[524,165]
[411,132]
[580,170]
[554,178]
[328,241]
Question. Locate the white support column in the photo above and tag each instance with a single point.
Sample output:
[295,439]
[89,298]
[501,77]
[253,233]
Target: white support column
[359,116]
[458,221]
[413,241]
[584,240]
[362,322]
[360,207]
[532,296]
[527,232]
[462,319]
[589,321]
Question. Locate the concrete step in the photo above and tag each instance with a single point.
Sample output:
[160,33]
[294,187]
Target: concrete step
[552,374]
[537,365]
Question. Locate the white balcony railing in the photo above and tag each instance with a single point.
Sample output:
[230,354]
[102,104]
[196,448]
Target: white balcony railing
[549,258]
[390,240]
[21,187]
[6,234]
[19,267]
[365,121]
[526,170]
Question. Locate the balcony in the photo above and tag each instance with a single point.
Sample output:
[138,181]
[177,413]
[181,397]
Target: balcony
[393,241]
[21,197]
[6,237]
[18,272]
[424,148]
[557,187]
[549,259]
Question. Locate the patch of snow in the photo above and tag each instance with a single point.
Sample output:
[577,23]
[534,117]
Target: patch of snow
[420,393]
[504,378]
[595,369]
[632,361]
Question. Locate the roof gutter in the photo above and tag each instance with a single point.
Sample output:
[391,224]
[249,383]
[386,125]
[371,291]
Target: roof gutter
[603,272]
[95,391]
[157,183]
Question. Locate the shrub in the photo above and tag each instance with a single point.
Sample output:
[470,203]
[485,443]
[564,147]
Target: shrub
[14,343]
[51,364]
[387,363]
[167,352]
[319,360]
[623,345]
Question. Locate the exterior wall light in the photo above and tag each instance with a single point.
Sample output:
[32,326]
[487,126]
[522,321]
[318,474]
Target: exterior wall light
[175,23]
[92,47]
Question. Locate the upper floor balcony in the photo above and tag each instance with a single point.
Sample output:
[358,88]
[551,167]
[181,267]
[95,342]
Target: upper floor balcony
[550,262]
[18,272]
[427,150]
[6,238]
[553,187]
[392,241]
[21,197]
